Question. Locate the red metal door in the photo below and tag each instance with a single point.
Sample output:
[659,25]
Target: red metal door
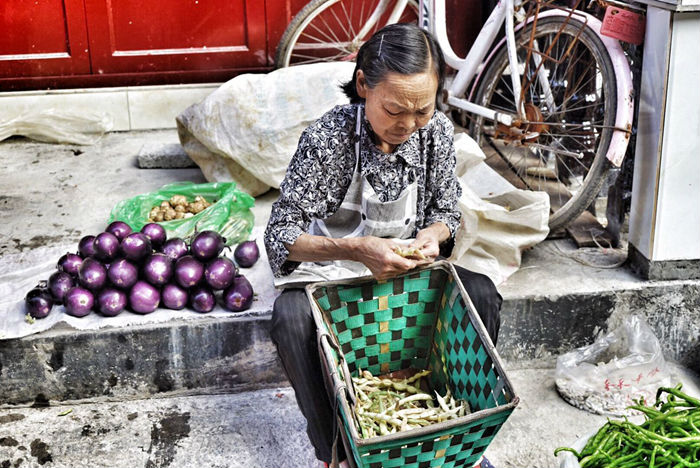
[43,38]
[136,36]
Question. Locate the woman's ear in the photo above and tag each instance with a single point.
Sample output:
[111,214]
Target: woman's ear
[361,84]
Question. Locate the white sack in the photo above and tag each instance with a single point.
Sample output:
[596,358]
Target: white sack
[249,128]
[499,221]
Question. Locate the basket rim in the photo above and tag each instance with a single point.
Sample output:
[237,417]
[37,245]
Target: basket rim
[348,394]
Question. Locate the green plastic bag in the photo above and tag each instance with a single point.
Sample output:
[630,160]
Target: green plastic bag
[229,214]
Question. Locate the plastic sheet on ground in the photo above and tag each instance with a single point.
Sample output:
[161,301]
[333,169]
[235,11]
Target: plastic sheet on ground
[58,126]
[21,272]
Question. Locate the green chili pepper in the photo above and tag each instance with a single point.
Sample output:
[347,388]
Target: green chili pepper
[669,436]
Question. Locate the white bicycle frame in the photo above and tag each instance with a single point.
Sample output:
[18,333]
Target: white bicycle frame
[432,18]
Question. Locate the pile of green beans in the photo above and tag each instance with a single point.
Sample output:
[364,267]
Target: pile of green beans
[669,436]
[385,406]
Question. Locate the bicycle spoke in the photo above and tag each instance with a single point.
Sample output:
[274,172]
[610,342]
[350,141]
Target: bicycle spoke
[581,87]
[557,56]
[320,43]
[564,109]
[329,28]
[362,12]
[351,32]
[575,125]
[571,174]
[303,58]
[342,26]
[505,93]
[569,149]
[517,163]
[315,59]
[574,146]
[578,84]
[326,37]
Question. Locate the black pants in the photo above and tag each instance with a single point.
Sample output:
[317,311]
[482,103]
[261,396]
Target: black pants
[294,333]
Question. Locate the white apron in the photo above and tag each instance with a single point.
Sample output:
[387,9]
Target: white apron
[360,214]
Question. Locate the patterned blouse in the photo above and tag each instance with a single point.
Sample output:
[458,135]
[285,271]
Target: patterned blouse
[322,167]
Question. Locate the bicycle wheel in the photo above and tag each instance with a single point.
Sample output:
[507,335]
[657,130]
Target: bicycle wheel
[561,147]
[328,30]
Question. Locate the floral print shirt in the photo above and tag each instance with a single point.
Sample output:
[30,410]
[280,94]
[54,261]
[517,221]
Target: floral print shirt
[322,167]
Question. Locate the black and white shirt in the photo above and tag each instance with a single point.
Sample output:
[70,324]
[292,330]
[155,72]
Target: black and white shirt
[322,167]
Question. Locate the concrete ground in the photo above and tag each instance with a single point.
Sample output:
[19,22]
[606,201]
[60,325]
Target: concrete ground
[256,429]
[559,299]
[259,429]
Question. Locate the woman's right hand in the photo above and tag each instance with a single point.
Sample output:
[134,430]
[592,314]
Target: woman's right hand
[379,256]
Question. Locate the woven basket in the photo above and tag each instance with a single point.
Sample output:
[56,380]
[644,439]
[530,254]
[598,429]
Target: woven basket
[421,320]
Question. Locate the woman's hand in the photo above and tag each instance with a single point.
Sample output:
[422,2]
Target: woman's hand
[375,253]
[428,241]
[379,255]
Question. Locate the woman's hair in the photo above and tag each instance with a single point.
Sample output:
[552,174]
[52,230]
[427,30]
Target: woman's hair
[401,48]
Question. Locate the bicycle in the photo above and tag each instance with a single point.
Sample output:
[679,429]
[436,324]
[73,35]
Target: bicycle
[556,124]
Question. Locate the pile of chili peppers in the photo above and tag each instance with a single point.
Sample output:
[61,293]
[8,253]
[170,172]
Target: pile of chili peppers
[669,436]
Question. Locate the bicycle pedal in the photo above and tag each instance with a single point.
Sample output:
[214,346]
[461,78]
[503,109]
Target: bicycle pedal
[541,172]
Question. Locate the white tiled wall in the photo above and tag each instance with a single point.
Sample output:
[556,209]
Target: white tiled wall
[131,108]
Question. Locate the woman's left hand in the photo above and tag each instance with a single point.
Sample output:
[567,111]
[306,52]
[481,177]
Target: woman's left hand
[428,240]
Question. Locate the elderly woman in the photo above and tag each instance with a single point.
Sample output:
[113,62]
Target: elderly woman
[365,176]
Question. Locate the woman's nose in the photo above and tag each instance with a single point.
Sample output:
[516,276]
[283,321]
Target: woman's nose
[409,122]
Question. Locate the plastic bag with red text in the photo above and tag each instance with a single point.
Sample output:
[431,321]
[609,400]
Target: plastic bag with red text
[622,366]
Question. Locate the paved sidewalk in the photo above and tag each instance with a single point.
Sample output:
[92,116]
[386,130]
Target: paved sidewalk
[259,429]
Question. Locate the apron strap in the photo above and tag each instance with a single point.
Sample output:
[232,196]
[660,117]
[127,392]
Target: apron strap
[358,135]
[319,223]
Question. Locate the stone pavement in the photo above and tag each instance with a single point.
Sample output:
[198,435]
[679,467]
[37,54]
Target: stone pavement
[132,404]
[255,429]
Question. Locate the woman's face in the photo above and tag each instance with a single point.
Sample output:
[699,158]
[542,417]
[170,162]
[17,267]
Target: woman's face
[398,106]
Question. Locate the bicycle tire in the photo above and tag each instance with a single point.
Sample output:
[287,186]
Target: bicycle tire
[583,182]
[327,29]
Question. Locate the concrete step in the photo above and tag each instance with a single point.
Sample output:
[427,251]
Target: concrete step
[552,305]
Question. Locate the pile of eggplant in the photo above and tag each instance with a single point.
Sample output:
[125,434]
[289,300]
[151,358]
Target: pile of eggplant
[119,270]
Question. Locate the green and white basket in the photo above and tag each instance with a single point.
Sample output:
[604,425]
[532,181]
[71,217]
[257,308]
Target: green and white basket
[421,320]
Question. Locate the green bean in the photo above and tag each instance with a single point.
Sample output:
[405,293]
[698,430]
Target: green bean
[417,376]
[385,406]
[567,449]
[416,397]
[622,460]
[676,392]
[653,457]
